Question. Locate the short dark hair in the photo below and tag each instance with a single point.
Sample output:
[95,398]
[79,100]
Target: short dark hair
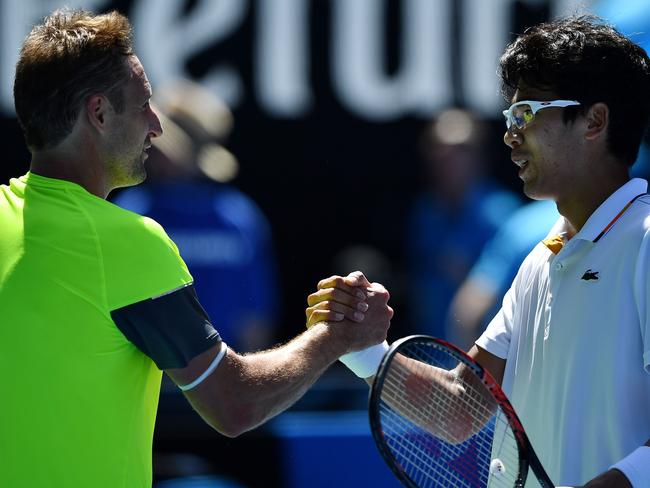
[71,55]
[582,58]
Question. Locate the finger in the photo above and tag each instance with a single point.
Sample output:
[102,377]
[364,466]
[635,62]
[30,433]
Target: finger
[318,316]
[330,282]
[378,290]
[356,278]
[356,314]
[332,307]
[336,295]
[377,286]
[341,284]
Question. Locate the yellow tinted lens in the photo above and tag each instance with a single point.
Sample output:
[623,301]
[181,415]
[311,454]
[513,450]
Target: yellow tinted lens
[522,115]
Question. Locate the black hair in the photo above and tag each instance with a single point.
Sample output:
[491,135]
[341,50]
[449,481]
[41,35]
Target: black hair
[584,59]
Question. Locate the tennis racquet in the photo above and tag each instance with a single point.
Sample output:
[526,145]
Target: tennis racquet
[440,420]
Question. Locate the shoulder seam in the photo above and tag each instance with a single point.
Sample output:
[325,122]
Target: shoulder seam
[100,254]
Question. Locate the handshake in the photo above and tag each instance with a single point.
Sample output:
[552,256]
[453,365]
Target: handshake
[358,314]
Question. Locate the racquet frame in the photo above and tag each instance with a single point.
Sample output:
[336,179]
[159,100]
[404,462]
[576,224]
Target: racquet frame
[527,456]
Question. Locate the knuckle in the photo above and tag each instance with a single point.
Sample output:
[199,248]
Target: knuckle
[324,283]
[314,297]
[317,297]
[359,275]
[339,296]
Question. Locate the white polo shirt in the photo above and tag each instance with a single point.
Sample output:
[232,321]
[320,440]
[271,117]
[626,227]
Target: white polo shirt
[574,329]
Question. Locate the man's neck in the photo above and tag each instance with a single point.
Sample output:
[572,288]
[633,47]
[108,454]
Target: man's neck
[57,164]
[583,204]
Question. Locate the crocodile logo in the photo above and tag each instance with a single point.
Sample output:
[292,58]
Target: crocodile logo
[590,275]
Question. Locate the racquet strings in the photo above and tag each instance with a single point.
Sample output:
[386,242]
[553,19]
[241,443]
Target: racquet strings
[438,437]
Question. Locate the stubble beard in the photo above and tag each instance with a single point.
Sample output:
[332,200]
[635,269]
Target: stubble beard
[129,173]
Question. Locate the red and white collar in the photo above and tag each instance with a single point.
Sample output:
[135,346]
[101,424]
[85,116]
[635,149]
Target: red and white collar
[603,219]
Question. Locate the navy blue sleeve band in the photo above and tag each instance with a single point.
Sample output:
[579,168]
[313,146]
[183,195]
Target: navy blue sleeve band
[171,329]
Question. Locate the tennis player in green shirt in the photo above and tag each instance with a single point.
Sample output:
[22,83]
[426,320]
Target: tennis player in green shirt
[95,301]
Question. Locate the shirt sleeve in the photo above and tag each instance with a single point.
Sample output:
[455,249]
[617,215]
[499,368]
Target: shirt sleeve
[171,329]
[499,333]
[496,337]
[642,296]
[150,293]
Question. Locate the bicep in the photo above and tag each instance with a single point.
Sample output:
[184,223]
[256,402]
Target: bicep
[172,329]
[176,333]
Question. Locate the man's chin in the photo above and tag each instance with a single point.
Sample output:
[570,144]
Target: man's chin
[535,193]
[133,179]
[139,178]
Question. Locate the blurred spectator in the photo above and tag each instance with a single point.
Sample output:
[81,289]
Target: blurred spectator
[221,233]
[479,297]
[455,216]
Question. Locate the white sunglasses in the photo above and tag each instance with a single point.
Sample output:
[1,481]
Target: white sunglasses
[522,113]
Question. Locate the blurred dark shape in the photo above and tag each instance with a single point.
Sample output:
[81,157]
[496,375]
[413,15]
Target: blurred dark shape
[182,471]
[198,482]
[458,211]
[196,125]
[368,259]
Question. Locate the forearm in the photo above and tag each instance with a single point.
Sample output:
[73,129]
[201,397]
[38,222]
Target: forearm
[237,392]
[436,399]
[271,381]
[249,389]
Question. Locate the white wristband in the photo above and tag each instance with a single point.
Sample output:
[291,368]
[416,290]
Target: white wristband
[364,363]
[213,365]
[636,467]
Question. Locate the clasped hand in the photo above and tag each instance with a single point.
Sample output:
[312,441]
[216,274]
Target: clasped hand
[358,308]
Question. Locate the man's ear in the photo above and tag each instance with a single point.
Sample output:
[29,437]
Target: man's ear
[97,109]
[597,120]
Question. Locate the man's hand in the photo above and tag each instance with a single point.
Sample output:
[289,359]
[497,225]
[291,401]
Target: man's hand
[338,298]
[352,306]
